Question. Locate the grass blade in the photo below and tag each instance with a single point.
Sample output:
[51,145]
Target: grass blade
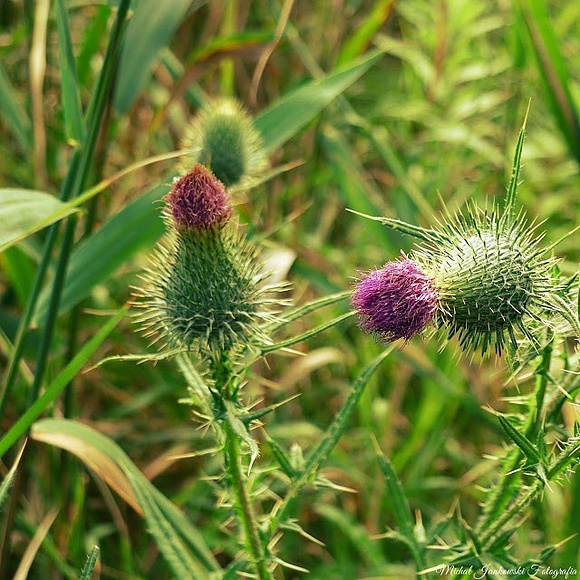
[291,113]
[165,534]
[181,543]
[71,98]
[363,34]
[26,211]
[93,261]
[554,71]
[61,381]
[155,21]
[16,118]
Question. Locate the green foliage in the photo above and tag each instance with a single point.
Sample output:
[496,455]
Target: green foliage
[325,452]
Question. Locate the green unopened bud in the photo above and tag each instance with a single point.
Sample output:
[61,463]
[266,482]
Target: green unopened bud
[222,136]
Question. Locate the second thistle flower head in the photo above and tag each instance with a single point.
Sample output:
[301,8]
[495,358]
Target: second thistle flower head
[482,276]
[479,277]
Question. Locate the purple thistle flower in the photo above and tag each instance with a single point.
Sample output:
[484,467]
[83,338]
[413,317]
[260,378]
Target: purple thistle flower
[397,301]
[198,200]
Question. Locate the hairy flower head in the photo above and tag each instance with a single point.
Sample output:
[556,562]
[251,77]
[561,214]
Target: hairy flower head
[198,200]
[397,301]
[222,136]
[205,290]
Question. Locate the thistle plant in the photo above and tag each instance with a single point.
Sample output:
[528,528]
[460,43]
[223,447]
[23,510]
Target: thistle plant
[205,296]
[485,277]
[482,275]
[206,287]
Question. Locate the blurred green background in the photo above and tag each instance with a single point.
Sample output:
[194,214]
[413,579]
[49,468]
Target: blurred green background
[408,108]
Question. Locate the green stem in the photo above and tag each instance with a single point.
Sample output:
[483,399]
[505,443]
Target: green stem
[497,525]
[244,504]
[234,432]
[57,286]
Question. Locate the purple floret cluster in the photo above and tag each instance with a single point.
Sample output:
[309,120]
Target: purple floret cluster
[397,301]
[198,200]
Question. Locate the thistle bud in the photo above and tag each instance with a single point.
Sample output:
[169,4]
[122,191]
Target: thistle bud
[198,200]
[205,286]
[222,136]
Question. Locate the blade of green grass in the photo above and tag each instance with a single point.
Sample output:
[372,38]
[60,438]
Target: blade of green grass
[554,71]
[304,309]
[179,540]
[25,211]
[156,22]
[19,270]
[292,112]
[12,111]
[71,98]
[93,261]
[92,42]
[10,208]
[166,536]
[364,33]
[60,382]
[9,480]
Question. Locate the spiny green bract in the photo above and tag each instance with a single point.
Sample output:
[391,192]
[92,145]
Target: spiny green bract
[205,290]
[489,276]
[223,137]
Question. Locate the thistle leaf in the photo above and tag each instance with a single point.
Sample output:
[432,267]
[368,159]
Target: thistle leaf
[520,440]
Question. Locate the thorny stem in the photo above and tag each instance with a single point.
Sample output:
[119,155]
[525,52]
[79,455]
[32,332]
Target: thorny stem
[510,513]
[244,505]
[224,386]
[511,475]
